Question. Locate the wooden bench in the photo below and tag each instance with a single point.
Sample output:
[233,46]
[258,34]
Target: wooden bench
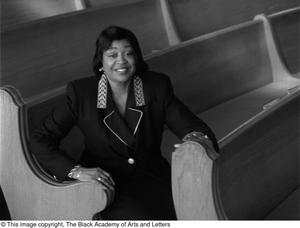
[43,55]
[235,81]
[230,73]
[194,18]
[256,177]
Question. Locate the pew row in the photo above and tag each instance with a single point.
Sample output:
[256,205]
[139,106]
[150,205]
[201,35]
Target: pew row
[225,77]
[256,176]
[29,193]
[43,55]
[235,70]
[193,18]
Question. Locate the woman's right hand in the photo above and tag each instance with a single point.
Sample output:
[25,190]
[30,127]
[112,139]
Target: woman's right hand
[96,175]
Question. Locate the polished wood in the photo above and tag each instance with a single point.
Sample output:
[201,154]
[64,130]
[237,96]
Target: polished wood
[194,17]
[285,26]
[214,68]
[289,209]
[192,183]
[29,194]
[172,33]
[107,3]
[259,168]
[254,178]
[46,54]
[15,12]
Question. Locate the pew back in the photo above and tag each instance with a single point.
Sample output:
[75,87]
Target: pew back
[260,167]
[46,54]
[194,17]
[205,72]
[214,68]
[286,29]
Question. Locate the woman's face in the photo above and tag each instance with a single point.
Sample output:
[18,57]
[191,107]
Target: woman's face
[119,62]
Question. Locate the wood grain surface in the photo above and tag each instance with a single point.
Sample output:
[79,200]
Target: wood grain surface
[192,183]
[260,167]
[194,18]
[286,29]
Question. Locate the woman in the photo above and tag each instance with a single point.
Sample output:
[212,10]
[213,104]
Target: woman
[121,112]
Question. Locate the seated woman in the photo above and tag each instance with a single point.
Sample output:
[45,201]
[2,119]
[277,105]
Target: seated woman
[121,112]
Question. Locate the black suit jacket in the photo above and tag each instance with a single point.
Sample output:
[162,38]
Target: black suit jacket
[110,138]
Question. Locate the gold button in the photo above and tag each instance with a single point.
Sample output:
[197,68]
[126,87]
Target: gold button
[131,161]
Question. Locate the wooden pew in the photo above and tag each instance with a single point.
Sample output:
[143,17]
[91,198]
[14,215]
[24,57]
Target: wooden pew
[285,26]
[251,86]
[43,55]
[230,73]
[194,18]
[256,176]
[29,192]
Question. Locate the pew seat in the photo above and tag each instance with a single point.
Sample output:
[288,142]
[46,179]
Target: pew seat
[226,119]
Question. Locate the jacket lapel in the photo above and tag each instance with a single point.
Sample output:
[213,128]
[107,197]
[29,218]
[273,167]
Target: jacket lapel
[123,130]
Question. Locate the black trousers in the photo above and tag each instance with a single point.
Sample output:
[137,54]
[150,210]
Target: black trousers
[143,197]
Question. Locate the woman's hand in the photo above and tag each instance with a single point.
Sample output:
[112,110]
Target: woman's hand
[204,141]
[96,175]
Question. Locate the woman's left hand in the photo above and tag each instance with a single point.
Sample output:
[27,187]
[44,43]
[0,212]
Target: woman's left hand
[207,144]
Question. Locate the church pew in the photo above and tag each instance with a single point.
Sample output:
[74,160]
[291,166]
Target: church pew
[286,29]
[230,73]
[29,192]
[257,130]
[194,18]
[43,55]
[259,168]
[255,178]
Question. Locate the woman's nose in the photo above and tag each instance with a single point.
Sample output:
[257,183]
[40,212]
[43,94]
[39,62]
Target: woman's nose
[121,58]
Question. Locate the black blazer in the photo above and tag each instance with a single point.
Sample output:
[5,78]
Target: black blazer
[110,138]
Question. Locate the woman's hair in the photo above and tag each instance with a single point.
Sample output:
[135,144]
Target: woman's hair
[104,41]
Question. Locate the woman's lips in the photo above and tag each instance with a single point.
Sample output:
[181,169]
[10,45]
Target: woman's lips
[122,70]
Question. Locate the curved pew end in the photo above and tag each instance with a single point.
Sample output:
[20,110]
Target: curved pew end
[279,69]
[29,195]
[192,183]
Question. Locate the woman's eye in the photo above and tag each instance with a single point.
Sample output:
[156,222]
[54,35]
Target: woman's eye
[131,53]
[113,55]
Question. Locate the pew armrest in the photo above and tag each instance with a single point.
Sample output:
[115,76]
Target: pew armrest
[29,194]
[192,183]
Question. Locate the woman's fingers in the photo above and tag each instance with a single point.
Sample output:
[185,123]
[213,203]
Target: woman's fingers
[177,145]
[109,177]
[105,182]
[106,175]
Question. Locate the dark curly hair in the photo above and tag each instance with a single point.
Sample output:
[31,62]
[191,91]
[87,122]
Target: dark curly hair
[104,41]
